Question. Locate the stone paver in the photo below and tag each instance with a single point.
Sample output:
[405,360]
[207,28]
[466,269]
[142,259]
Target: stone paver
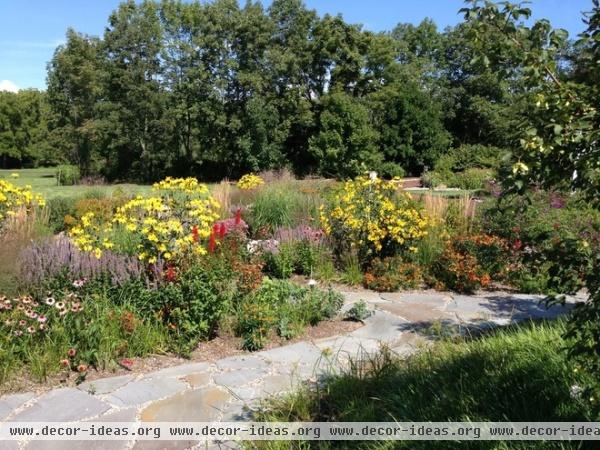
[105,385]
[139,392]
[62,405]
[228,389]
[9,403]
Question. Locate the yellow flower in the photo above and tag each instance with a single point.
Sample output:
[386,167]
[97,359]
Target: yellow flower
[249,181]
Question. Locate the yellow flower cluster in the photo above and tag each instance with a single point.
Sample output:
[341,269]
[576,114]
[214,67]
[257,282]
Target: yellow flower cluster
[250,181]
[166,225]
[14,198]
[370,214]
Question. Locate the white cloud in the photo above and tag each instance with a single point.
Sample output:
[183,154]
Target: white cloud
[7,85]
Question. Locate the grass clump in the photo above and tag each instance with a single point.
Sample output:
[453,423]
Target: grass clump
[516,374]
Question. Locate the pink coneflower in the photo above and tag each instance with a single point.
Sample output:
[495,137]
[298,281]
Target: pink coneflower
[30,330]
[60,305]
[42,326]
[62,312]
[81,368]
[22,322]
[26,300]
[64,362]
[79,283]
[42,319]
[50,301]
[72,352]
[18,333]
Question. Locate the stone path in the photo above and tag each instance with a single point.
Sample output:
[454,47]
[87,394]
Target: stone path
[227,389]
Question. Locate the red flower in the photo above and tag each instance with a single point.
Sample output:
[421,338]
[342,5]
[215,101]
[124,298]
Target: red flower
[64,363]
[195,234]
[170,274]
[517,244]
[238,216]
[222,230]
[72,352]
[212,242]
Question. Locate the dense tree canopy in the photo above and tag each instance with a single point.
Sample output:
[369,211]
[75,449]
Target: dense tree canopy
[215,89]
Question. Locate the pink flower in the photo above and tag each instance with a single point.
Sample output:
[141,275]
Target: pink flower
[64,362]
[30,330]
[72,352]
[42,319]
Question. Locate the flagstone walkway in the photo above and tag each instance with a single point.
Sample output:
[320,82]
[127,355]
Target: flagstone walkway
[227,389]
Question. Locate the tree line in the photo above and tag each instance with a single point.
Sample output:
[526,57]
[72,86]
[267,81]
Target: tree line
[217,90]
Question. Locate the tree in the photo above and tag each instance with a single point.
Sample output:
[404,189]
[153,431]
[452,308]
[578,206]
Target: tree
[74,89]
[345,145]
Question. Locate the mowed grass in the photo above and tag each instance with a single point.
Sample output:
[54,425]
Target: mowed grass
[516,374]
[43,181]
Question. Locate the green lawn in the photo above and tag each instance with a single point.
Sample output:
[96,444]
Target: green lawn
[43,181]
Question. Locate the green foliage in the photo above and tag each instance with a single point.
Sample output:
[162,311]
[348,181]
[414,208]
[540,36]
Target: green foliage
[284,307]
[450,382]
[359,311]
[280,205]
[67,175]
[390,274]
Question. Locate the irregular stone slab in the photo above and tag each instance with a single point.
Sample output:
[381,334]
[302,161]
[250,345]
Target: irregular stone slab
[244,394]
[418,314]
[236,411]
[381,326]
[275,384]
[300,353]
[165,445]
[179,371]
[238,377]
[139,392]
[242,362]
[9,403]
[62,405]
[366,296]
[124,415]
[429,297]
[199,405]
[410,343]
[197,380]
[105,385]
[347,346]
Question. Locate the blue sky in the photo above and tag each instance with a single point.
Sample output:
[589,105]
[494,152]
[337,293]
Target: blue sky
[31,29]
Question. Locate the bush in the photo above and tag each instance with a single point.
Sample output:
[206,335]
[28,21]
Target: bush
[359,311]
[61,213]
[285,308]
[372,218]
[67,175]
[390,274]
[472,179]
[468,262]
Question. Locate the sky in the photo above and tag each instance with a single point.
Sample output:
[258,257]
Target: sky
[30,30]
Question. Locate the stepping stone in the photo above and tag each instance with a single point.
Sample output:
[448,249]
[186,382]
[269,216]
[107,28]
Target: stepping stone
[367,296]
[139,392]
[300,353]
[9,445]
[62,405]
[238,377]
[381,326]
[9,403]
[275,384]
[433,298]
[199,405]
[418,314]
[123,416]
[197,380]
[347,346]
[105,385]
[179,371]
[242,362]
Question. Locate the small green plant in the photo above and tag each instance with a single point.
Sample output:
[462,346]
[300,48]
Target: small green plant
[359,311]
[67,175]
[352,273]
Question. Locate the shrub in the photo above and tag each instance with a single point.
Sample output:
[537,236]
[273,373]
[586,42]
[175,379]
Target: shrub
[359,311]
[283,307]
[61,213]
[392,273]
[472,178]
[168,226]
[372,218]
[67,175]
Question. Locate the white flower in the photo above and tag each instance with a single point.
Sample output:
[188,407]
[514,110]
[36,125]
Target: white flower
[575,391]
[312,282]
[50,301]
